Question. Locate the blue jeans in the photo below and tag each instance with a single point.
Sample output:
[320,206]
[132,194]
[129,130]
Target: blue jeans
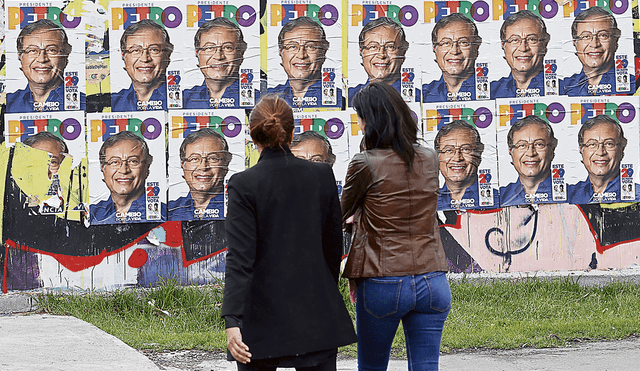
[422,302]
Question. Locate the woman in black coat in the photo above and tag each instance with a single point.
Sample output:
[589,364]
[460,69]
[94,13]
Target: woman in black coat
[282,306]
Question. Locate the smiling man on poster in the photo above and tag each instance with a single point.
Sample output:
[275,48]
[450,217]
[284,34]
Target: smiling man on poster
[455,43]
[602,143]
[532,145]
[204,157]
[146,51]
[43,50]
[383,46]
[220,48]
[125,161]
[595,36]
[524,39]
[303,45]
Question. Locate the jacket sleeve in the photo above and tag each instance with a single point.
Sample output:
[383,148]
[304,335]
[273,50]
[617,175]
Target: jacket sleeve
[332,230]
[356,185]
[242,244]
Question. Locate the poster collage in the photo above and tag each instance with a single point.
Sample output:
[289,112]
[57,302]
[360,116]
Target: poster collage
[526,102]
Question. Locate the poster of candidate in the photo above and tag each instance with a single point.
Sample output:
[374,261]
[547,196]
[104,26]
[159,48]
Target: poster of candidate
[54,174]
[464,135]
[528,39]
[217,60]
[457,55]
[323,137]
[606,147]
[45,58]
[143,36]
[385,45]
[536,150]
[304,53]
[599,60]
[127,167]
[206,147]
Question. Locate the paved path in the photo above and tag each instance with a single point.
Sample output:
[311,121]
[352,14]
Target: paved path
[46,342]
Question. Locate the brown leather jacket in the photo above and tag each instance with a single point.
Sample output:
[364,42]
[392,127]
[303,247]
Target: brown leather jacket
[395,230]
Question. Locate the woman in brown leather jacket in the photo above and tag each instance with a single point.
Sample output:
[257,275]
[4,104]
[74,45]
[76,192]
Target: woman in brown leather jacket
[396,257]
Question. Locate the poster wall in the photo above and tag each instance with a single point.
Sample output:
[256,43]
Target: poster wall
[217,60]
[127,167]
[458,57]
[45,58]
[600,59]
[385,45]
[464,135]
[142,36]
[323,137]
[206,147]
[304,53]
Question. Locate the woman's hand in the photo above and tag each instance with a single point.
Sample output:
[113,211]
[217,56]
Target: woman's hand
[238,349]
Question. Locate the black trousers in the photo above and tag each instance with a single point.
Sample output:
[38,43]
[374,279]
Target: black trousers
[328,365]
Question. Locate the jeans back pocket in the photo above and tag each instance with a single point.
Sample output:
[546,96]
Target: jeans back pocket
[440,291]
[381,296]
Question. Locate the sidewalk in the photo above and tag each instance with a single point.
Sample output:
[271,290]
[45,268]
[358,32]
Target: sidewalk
[60,343]
[46,342]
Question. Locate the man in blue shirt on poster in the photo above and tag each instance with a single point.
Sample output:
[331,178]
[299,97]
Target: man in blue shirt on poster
[220,48]
[146,51]
[455,43]
[532,147]
[524,39]
[204,157]
[303,47]
[383,45]
[125,161]
[460,148]
[43,50]
[595,35]
[602,145]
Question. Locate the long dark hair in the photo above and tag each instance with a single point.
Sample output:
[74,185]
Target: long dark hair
[388,120]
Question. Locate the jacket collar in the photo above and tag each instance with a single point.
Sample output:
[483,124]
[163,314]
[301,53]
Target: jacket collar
[268,153]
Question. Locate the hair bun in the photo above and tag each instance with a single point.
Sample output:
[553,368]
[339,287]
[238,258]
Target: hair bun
[271,122]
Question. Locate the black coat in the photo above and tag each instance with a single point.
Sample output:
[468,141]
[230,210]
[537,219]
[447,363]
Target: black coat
[285,246]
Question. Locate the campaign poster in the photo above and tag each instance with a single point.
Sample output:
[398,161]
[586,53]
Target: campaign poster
[464,135]
[127,167]
[45,58]
[606,146]
[536,150]
[220,63]
[54,173]
[457,58]
[598,54]
[144,38]
[528,49]
[323,137]
[385,45]
[206,147]
[304,53]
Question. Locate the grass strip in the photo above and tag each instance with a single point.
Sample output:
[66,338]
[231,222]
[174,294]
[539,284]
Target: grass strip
[501,314]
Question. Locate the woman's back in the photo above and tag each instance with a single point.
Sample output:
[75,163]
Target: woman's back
[398,211]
